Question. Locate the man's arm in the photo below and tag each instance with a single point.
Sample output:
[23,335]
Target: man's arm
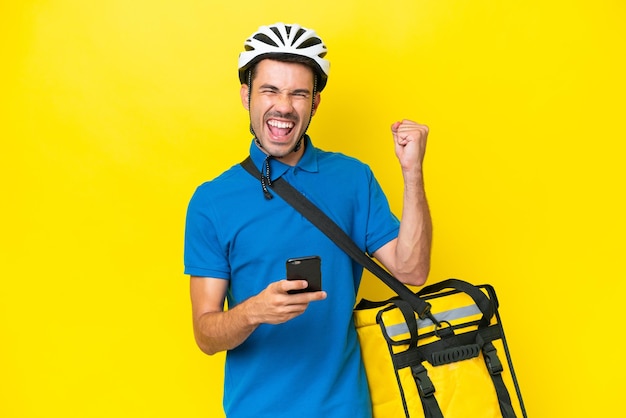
[408,256]
[217,330]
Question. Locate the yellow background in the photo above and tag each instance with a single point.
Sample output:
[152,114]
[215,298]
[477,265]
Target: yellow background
[114,111]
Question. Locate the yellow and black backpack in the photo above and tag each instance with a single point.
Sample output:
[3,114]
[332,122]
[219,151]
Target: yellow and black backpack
[455,365]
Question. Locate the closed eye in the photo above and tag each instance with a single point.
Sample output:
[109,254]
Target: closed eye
[269,90]
[301,93]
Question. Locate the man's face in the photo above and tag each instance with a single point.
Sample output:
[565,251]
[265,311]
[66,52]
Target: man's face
[280,106]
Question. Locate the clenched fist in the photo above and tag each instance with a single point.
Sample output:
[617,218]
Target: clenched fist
[410,143]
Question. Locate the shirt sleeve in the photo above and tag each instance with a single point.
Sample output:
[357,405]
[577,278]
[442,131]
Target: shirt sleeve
[204,254]
[382,225]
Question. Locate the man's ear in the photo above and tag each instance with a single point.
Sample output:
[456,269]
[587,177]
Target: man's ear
[244,96]
[316,102]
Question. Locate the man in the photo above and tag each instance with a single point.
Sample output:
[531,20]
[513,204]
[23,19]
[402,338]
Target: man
[295,355]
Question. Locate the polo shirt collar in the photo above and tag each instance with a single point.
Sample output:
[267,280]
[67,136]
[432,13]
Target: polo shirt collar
[308,162]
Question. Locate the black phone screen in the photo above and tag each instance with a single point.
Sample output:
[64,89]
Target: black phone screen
[306,268]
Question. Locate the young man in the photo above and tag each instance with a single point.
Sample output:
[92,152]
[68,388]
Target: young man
[295,354]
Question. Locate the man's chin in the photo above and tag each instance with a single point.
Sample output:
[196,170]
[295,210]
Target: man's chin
[278,150]
[280,155]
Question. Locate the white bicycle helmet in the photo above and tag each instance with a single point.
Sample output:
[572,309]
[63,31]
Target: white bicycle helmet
[280,40]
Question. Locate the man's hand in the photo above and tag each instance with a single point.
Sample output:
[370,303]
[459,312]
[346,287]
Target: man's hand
[410,143]
[275,306]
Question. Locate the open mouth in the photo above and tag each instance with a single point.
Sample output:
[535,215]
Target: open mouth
[280,128]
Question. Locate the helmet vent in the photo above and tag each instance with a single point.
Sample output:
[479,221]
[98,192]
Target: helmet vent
[298,34]
[265,39]
[311,42]
[279,35]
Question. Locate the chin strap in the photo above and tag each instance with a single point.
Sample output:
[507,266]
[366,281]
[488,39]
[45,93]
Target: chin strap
[266,175]
[266,179]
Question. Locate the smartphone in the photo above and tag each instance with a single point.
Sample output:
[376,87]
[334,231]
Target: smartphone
[306,268]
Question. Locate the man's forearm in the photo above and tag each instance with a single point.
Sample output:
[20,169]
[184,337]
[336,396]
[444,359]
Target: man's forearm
[220,331]
[415,236]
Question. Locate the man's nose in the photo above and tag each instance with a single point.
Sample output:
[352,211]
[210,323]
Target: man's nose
[284,101]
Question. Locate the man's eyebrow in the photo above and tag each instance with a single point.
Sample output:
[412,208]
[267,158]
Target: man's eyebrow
[268,87]
[276,89]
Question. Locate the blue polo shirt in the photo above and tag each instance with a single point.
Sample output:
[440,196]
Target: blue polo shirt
[310,366]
